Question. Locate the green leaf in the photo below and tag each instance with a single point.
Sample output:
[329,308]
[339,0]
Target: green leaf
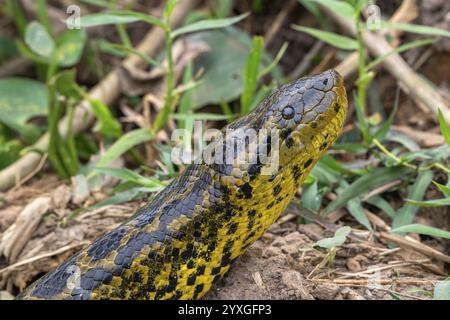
[151,184]
[414,28]
[402,139]
[118,198]
[314,9]
[118,17]
[9,152]
[331,163]
[382,204]
[208,24]
[405,214]
[338,240]
[445,190]
[42,14]
[201,116]
[442,290]
[340,7]
[107,124]
[362,121]
[275,61]
[69,47]
[430,203]
[311,199]
[355,148]
[123,144]
[98,3]
[324,174]
[20,100]
[384,128]
[333,39]
[422,229]
[168,9]
[122,51]
[186,104]
[400,49]
[38,40]
[223,8]
[65,83]
[365,183]
[251,73]
[356,209]
[445,127]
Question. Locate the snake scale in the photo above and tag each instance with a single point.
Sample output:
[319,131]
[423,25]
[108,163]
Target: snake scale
[186,238]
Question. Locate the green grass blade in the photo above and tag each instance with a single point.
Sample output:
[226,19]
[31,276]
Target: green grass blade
[430,203]
[384,128]
[406,214]
[402,48]
[333,39]
[123,144]
[382,204]
[251,73]
[354,206]
[208,25]
[422,229]
[364,184]
[340,7]
[444,189]
[414,28]
[118,17]
[445,127]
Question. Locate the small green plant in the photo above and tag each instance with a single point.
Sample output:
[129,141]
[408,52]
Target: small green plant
[331,245]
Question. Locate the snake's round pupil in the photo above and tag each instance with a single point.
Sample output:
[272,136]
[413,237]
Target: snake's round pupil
[288,112]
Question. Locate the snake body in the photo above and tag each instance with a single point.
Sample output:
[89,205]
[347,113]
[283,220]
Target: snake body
[177,246]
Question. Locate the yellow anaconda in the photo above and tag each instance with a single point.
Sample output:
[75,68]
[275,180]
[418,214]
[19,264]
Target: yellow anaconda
[188,236]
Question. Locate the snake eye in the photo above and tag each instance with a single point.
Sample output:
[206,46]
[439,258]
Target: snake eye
[288,112]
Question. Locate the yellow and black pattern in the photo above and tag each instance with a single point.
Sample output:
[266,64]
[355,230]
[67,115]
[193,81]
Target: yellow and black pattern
[188,236]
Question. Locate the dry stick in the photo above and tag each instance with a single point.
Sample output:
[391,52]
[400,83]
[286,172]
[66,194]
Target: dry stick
[405,242]
[366,282]
[278,23]
[417,246]
[108,90]
[416,87]
[42,256]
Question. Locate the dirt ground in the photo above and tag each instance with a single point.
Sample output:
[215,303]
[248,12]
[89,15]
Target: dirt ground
[281,265]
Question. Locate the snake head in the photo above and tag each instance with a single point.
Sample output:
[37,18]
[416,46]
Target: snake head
[295,124]
[307,113]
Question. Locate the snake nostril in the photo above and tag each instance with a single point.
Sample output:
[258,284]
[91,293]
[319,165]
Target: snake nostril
[325,82]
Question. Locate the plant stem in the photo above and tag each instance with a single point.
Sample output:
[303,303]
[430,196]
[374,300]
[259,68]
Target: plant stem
[163,116]
[391,155]
[361,64]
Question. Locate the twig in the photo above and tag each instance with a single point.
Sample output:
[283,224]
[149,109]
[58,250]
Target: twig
[42,256]
[107,91]
[32,173]
[306,61]
[417,246]
[368,282]
[278,22]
